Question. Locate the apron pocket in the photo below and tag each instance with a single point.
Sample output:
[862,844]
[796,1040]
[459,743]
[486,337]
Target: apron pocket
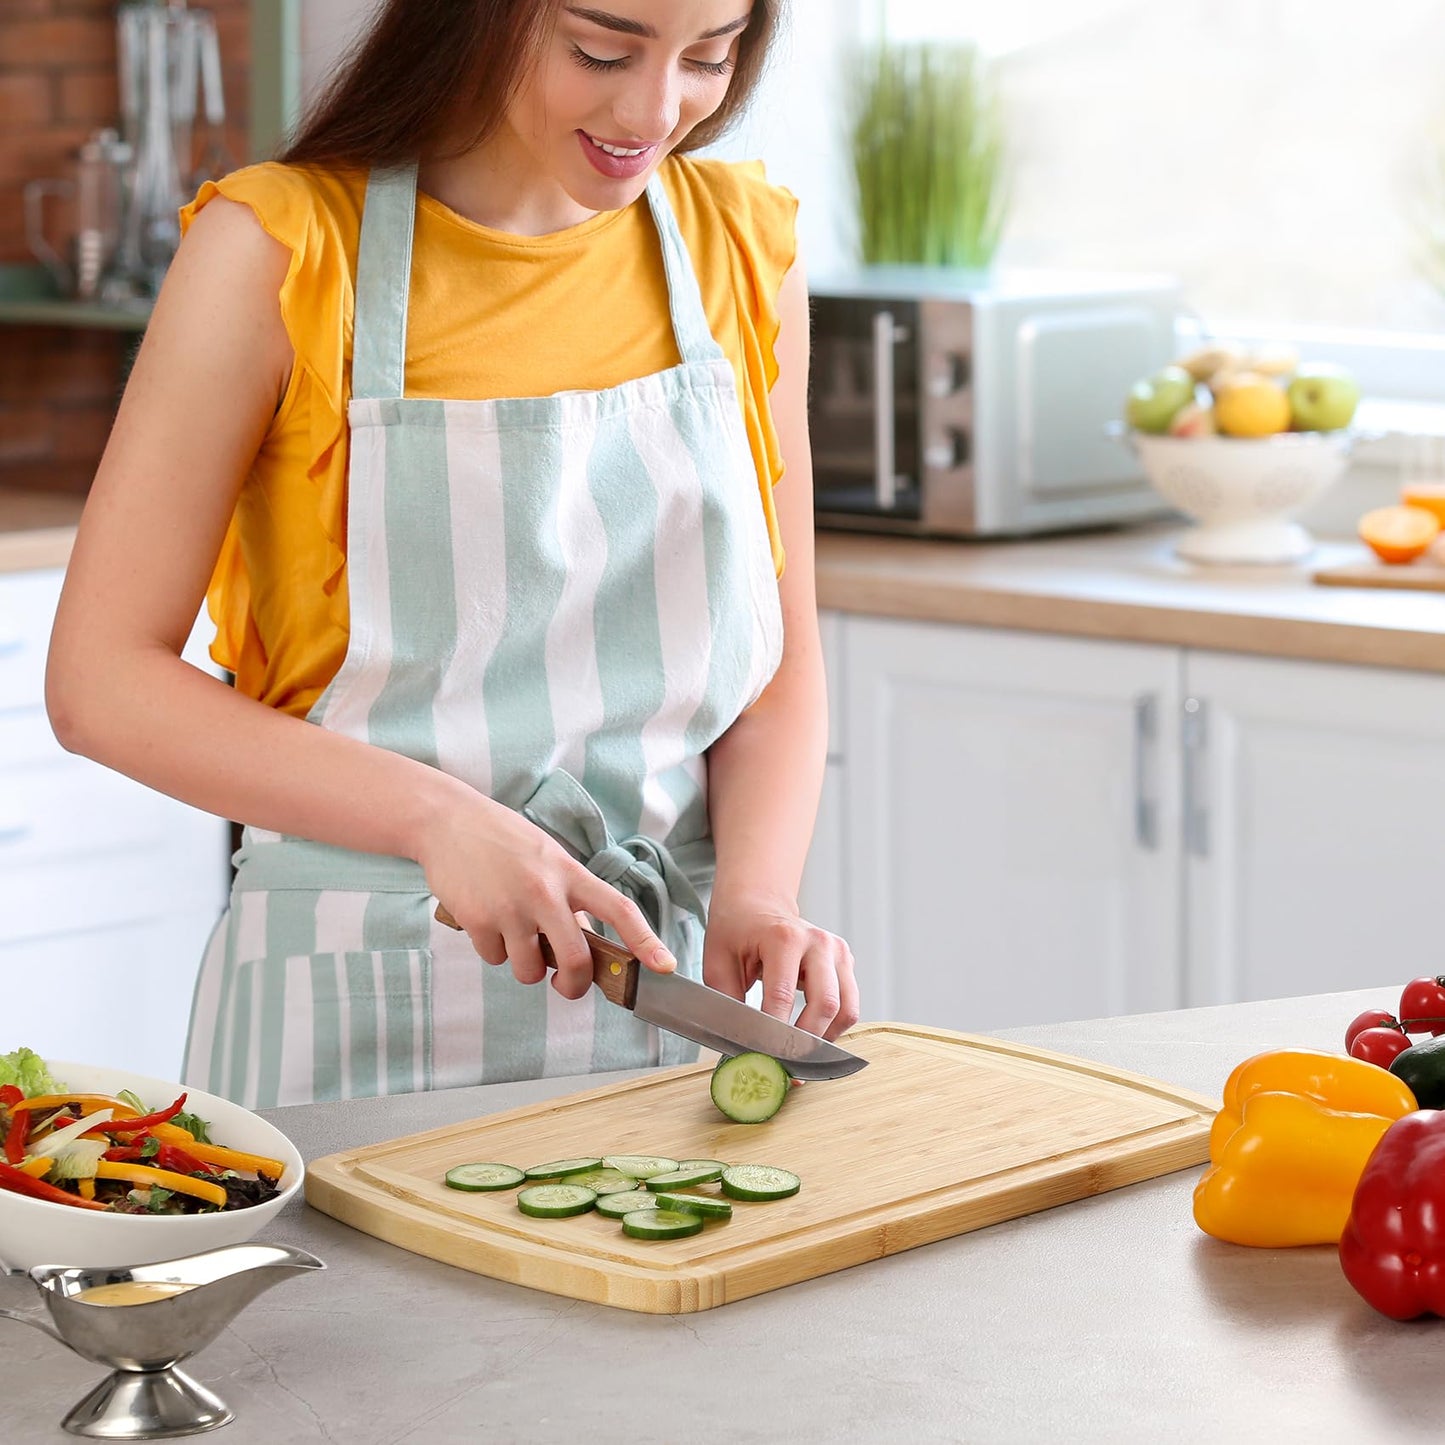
[322,1026]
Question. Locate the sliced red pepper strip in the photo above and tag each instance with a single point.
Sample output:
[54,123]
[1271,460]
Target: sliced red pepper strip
[16,1135]
[12,1179]
[140,1125]
[10,1095]
[168,1156]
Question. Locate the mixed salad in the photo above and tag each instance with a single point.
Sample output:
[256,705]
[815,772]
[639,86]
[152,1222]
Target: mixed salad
[92,1151]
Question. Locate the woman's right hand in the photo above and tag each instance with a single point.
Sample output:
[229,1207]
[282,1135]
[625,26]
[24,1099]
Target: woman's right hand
[505,881]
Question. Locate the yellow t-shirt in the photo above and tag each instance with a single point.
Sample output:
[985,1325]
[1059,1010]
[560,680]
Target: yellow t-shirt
[491,315]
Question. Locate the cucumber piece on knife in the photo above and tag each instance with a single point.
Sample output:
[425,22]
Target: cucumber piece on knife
[749,1088]
[556,1201]
[614,1206]
[683,1178]
[660,1224]
[640,1166]
[701,1204]
[479,1178]
[759,1181]
[560,1167]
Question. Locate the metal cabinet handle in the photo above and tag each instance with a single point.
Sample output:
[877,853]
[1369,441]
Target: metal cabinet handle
[1196,812]
[885,459]
[1146,733]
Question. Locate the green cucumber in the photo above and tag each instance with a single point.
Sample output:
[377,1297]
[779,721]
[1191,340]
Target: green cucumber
[614,1206]
[701,1204]
[750,1088]
[640,1166]
[660,1224]
[479,1178]
[702,1164]
[603,1181]
[559,1167]
[683,1178]
[759,1181]
[556,1201]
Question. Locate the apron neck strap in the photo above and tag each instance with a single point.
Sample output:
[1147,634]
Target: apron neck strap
[383,283]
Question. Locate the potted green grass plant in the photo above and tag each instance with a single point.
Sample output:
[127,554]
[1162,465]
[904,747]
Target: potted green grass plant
[926,141]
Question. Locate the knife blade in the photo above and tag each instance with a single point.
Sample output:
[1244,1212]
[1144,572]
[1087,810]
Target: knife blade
[693,1010]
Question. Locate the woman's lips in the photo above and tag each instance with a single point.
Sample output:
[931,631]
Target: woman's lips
[614,166]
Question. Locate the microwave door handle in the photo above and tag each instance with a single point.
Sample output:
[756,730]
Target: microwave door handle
[885,481]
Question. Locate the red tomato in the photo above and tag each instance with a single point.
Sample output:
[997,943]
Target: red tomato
[1372,1018]
[1422,1006]
[1379,1046]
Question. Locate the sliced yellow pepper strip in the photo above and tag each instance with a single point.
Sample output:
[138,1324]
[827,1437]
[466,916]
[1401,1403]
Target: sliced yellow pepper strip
[235,1159]
[166,1178]
[1333,1080]
[86,1187]
[1287,1174]
[91,1102]
[35,1167]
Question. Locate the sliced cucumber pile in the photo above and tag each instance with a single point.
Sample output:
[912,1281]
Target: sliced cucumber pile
[750,1088]
[653,1196]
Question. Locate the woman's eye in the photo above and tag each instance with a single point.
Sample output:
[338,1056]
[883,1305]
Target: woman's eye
[595,62]
[713,67]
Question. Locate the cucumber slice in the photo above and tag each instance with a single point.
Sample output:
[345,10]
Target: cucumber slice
[683,1178]
[555,1201]
[660,1224]
[477,1178]
[614,1206]
[558,1167]
[702,1164]
[759,1181]
[603,1181]
[640,1166]
[696,1204]
[749,1088]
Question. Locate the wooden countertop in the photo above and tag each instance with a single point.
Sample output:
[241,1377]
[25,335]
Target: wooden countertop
[36,529]
[1124,584]
[1128,585]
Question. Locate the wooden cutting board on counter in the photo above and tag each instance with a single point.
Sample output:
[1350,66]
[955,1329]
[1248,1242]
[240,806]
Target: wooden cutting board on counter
[942,1133]
[1421,576]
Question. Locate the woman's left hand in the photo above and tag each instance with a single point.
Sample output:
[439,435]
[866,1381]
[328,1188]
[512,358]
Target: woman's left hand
[758,937]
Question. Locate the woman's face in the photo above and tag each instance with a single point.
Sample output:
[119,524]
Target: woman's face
[619,84]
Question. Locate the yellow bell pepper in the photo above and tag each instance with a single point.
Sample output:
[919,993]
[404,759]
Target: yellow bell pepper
[1287,1175]
[166,1178]
[1334,1080]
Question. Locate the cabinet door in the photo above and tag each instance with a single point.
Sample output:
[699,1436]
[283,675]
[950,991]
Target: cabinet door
[1315,827]
[1013,809]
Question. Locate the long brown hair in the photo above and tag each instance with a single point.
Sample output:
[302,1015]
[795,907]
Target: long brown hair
[425,71]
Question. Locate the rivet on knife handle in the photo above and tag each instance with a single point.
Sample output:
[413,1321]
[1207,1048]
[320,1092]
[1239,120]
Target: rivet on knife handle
[614,970]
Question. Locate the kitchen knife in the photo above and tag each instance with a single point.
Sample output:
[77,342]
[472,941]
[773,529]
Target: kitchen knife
[683,1006]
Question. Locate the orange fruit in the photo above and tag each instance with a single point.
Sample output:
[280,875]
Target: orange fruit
[1430,495]
[1399,534]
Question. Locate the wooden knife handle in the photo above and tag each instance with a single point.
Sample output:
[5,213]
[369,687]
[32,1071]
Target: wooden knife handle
[614,970]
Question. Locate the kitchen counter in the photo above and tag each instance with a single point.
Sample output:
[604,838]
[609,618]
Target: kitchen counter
[1112,1319]
[1128,585]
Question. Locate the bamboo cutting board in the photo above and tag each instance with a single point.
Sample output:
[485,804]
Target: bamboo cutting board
[941,1134]
[1424,575]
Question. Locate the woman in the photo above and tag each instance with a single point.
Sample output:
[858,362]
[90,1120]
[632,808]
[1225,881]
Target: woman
[465,411]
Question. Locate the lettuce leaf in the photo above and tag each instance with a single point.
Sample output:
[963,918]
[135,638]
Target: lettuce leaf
[26,1070]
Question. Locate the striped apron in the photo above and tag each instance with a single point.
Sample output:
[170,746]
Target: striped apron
[563,601]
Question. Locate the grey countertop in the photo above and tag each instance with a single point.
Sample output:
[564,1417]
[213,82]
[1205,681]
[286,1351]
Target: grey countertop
[1111,1319]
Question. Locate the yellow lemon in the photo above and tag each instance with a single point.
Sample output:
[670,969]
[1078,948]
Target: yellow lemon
[1252,409]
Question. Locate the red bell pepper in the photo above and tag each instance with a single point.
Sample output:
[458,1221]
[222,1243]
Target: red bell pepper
[138,1126]
[16,1135]
[12,1179]
[168,1156]
[1393,1247]
[10,1095]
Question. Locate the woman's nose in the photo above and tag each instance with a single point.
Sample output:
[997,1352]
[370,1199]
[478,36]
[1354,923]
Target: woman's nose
[651,105]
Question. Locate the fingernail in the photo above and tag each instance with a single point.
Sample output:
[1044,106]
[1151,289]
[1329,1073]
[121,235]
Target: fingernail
[663,958]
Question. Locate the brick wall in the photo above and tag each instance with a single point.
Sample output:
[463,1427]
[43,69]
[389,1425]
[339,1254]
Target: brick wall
[59,386]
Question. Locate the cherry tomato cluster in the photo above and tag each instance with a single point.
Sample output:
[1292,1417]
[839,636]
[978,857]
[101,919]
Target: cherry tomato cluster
[1380,1037]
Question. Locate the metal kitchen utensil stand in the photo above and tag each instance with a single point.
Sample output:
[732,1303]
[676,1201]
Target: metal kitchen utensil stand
[146,1397]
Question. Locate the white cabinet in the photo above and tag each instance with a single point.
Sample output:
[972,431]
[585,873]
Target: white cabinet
[1317,803]
[108,890]
[1023,828]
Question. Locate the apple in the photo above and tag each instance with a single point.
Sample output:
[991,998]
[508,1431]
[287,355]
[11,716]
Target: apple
[1193,420]
[1153,404]
[1322,397]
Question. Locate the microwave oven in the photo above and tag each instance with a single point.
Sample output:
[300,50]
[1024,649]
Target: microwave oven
[956,404]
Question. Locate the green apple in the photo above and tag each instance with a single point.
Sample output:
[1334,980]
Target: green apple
[1322,397]
[1153,404]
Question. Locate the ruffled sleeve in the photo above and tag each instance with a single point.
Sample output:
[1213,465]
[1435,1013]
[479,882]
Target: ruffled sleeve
[317,218]
[742,231]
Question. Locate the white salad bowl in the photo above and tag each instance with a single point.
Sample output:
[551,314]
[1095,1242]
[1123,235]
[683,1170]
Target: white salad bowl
[1242,492]
[34,1231]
